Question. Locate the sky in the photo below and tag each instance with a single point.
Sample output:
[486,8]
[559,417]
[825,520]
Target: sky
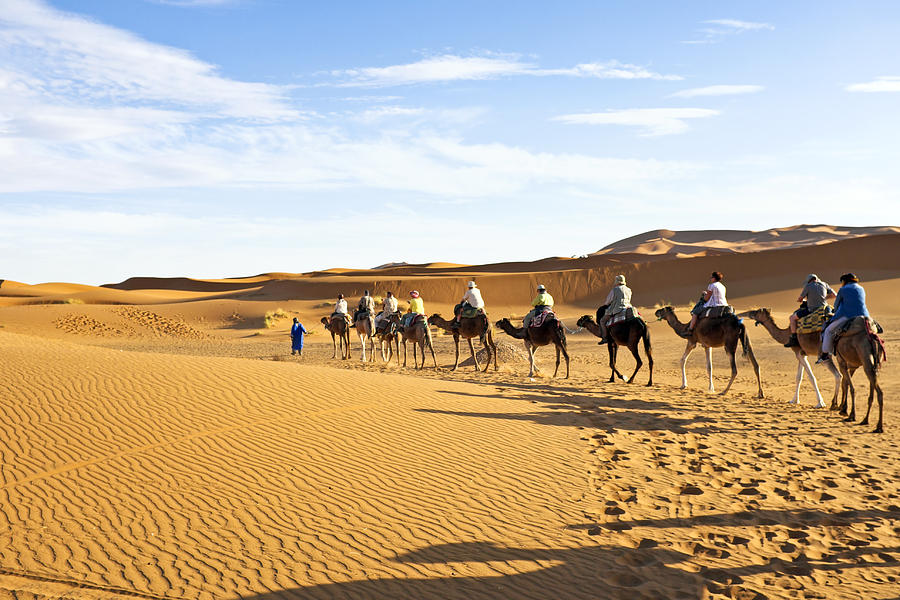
[214,138]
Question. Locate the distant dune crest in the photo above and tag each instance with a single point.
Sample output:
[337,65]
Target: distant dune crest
[711,242]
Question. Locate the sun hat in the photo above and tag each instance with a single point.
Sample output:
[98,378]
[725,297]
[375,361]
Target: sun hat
[849,278]
[414,293]
[811,277]
[620,280]
[541,288]
[471,284]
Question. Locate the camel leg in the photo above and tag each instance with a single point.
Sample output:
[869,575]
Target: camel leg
[846,384]
[566,356]
[404,354]
[475,358]
[872,375]
[812,378]
[612,361]
[530,350]
[796,398]
[637,359]
[556,370]
[487,349]
[362,342]
[430,345]
[712,388]
[731,359]
[496,356]
[456,362]
[755,364]
[687,352]
[835,372]
[852,413]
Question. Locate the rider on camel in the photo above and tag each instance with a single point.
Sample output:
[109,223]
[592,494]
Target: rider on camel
[617,301]
[471,300]
[388,307]
[816,294]
[366,305]
[850,303]
[340,308]
[416,308]
[542,302]
[714,295]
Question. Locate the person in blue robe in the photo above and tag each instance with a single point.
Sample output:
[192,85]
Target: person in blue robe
[297,331]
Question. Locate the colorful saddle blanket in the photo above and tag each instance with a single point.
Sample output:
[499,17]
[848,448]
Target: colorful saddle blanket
[814,321]
[414,320]
[542,316]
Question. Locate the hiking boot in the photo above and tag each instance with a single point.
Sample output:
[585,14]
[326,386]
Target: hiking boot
[793,342]
[603,342]
[823,358]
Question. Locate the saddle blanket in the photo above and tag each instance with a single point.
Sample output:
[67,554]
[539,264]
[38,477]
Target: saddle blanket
[717,311]
[471,313]
[626,315]
[542,316]
[857,325]
[415,321]
[814,321]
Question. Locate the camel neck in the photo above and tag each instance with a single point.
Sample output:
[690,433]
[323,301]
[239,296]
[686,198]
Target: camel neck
[778,334]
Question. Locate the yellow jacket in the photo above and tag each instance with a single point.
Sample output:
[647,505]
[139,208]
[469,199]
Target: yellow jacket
[416,305]
[543,299]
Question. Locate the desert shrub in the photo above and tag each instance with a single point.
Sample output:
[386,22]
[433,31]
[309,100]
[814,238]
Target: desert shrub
[273,316]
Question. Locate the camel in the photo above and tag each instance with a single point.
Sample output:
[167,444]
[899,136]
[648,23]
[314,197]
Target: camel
[860,348]
[624,333]
[469,328]
[809,346]
[337,326]
[389,335]
[417,335]
[712,333]
[365,329]
[549,332]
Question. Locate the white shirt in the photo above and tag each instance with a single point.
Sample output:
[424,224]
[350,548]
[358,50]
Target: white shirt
[390,305]
[341,306]
[473,297]
[717,298]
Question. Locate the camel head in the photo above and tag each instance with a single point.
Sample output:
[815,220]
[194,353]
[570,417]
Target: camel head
[759,315]
[435,318]
[326,322]
[663,312]
[504,322]
[583,321]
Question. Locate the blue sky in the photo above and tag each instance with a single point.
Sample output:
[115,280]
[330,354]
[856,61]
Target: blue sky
[213,138]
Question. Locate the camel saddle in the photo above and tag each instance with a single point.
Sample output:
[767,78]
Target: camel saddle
[417,321]
[814,322]
[361,314]
[714,312]
[626,315]
[542,316]
[471,313]
[865,325]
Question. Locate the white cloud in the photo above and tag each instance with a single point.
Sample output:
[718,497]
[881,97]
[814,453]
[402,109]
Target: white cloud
[79,61]
[738,26]
[718,90]
[654,121]
[881,84]
[450,67]
[726,27]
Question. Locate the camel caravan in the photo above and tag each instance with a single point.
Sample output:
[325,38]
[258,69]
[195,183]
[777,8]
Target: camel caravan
[843,339]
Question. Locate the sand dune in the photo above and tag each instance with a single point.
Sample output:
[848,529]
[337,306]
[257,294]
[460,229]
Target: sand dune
[725,241]
[159,441]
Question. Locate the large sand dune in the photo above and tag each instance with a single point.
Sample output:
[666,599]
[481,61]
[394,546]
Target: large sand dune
[159,441]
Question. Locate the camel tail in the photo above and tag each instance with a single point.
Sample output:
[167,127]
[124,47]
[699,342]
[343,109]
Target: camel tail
[562,334]
[745,341]
[646,337]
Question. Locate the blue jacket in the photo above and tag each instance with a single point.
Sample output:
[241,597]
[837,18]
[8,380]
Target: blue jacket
[851,302]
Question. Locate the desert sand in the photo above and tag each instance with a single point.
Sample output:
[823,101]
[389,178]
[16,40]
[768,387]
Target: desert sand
[160,441]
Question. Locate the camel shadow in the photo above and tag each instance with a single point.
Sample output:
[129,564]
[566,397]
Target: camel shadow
[476,573]
[569,410]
